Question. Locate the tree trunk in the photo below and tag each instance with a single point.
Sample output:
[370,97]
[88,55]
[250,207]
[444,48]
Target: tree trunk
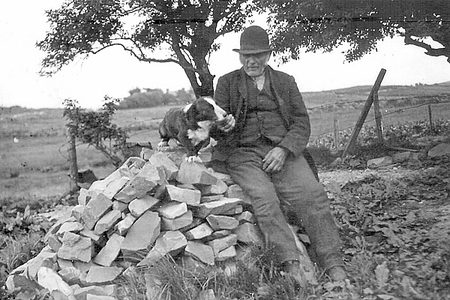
[72,160]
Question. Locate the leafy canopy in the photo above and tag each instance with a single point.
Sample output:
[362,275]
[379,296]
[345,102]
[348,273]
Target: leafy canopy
[327,24]
[187,29]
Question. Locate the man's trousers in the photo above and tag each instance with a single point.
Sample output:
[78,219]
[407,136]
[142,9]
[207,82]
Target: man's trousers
[294,189]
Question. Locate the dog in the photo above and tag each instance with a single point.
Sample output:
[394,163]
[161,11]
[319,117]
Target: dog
[190,126]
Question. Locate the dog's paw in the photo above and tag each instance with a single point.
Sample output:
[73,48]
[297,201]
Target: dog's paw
[162,146]
[192,159]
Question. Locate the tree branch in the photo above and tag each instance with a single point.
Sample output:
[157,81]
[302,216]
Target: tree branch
[429,49]
[141,57]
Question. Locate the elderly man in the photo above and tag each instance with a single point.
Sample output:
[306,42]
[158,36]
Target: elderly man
[262,142]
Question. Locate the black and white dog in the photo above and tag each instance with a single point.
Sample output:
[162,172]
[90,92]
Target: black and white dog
[190,125]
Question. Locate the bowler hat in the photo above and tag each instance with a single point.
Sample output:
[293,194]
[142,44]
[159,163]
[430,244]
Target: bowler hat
[254,40]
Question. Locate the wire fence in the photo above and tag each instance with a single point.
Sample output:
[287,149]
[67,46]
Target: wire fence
[333,125]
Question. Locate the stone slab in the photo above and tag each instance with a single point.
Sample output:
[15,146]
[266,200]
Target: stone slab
[107,221]
[172,210]
[195,173]
[200,251]
[94,210]
[201,231]
[168,243]
[125,224]
[188,196]
[177,223]
[217,207]
[110,252]
[218,222]
[139,206]
[221,244]
[143,232]
[98,274]
[75,247]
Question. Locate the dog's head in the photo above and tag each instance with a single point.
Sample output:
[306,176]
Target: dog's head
[204,109]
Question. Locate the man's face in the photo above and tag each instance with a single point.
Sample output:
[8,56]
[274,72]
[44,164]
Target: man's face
[254,64]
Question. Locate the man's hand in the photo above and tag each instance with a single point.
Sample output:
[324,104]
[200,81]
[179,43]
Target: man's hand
[274,160]
[226,124]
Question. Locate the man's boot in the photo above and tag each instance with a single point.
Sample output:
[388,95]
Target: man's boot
[292,269]
[337,273]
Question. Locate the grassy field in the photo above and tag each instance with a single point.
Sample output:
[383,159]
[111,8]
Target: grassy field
[33,146]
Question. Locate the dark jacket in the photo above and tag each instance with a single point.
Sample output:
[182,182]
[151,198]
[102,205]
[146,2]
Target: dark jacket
[231,95]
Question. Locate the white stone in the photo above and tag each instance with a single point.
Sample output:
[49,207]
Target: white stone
[173,210]
[110,252]
[139,206]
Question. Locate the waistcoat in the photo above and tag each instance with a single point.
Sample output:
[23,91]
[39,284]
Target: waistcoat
[263,120]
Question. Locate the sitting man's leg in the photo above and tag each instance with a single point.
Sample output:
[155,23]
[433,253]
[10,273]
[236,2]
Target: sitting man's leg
[245,170]
[300,191]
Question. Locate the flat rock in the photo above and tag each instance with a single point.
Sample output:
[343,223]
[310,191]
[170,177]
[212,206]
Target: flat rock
[221,244]
[81,293]
[172,210]
[94,210]
[195,173]
[227,253]
[70,275]
[210,198]
[201,231]
[107,221]
[218,222]
[153,173]
[77,212]
[202,252]
[380,162]
[110,252]
[218,188]
[439,150]
[70,227]
[217,235]
[120,206]
[248,233]
[143,232]
[90,234]
[160,159]
[139,206]
[125,224]
[45,258]
[115,186]
[50,280]
[188,196]
[137,187]
[246,216]
[75,247]
[98,274]
[168,243]
[177,223]
[217,207]
[85,195]
[54,243]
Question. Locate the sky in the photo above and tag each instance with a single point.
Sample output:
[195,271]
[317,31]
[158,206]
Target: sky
[115,73]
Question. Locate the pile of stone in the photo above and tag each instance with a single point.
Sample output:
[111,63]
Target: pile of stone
[144,210]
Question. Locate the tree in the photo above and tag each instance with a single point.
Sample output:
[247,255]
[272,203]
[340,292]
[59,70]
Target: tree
[186,28]
[96,129]
[327,24]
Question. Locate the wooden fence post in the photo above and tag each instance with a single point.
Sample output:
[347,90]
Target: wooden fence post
[336,132]
[72,160]
[376,109]
[430,118]
[351,143]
